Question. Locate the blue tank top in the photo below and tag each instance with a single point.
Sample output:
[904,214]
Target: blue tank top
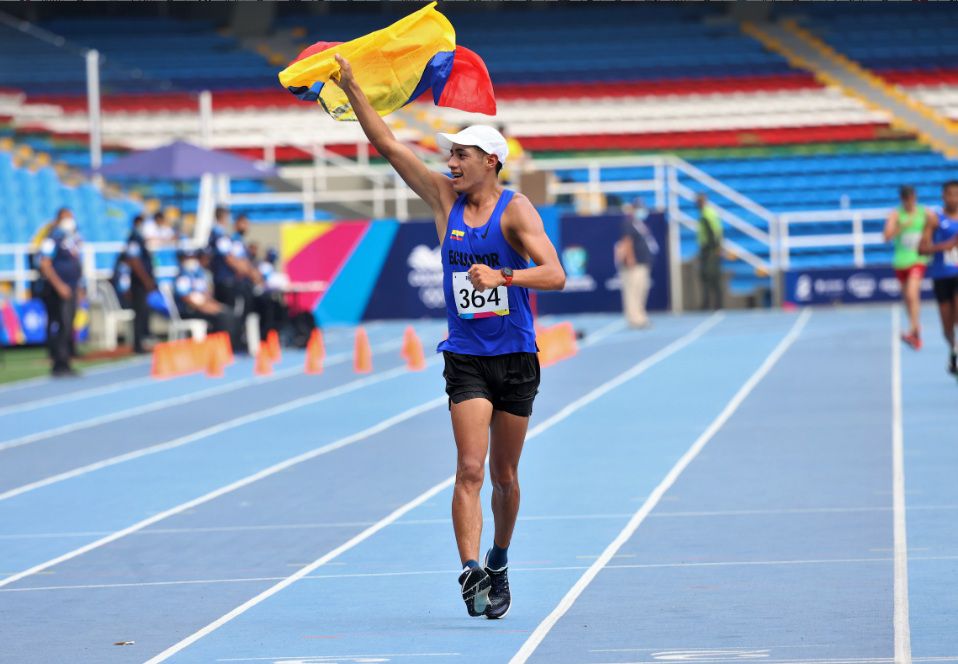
[940,268]
[488,333]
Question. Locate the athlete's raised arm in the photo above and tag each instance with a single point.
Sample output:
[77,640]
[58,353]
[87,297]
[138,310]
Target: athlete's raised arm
[433,188]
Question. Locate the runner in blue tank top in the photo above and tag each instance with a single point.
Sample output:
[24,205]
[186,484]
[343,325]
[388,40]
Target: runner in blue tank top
[489,235]
[940,240]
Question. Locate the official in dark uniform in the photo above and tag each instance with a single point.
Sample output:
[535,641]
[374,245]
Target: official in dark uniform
[137,259]
[233,274]
[61,269]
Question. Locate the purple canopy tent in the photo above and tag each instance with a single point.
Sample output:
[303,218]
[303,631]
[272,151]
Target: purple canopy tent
[182,161]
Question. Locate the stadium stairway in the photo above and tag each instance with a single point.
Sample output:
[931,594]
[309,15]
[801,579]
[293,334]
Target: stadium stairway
[804,49]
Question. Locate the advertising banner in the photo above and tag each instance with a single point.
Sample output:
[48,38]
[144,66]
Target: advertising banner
[848,285]
[586,248]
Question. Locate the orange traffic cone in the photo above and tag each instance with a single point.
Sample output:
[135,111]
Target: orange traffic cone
[363,356]
[316,338]
[544,339]
[225,347]
[264,366]
[272,343]
[408,341]
[567,335]
[162,364]
[215,359]
[412,351]
[315,352]
[184,357]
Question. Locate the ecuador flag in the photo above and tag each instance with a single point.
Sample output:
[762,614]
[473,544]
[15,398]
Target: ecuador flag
[394,66]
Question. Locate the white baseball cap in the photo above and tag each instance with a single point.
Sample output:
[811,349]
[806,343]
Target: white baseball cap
[485,138]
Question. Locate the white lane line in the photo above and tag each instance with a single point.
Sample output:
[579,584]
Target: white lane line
[229,488]
[577,589]
[91,392]
[547,424]
[92,371]
[338,659]
[691,655]
[211,431]
[335,359]
[515,569]
[74,396]
[901,620]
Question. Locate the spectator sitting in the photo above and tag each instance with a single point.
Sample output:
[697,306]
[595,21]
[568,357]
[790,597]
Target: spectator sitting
[158,232]
[193,300]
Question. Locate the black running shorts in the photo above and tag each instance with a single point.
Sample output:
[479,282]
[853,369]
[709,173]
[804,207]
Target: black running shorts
[510,381]
[946,289]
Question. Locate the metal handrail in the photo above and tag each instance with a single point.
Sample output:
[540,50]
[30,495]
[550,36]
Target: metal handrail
[732,219]
[843,214]
[723,189]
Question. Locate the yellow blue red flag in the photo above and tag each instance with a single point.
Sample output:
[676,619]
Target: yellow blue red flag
[394,66]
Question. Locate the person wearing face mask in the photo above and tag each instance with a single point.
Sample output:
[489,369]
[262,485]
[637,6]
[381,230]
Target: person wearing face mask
[61,269]
[191,293]
[635,253]
[137,262]
[233,275]
[250,285]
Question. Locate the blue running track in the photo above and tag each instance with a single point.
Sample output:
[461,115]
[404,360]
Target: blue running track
[718,489]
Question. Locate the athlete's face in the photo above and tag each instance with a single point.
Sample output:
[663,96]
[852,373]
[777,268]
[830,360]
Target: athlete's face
[469,167]
[950,197]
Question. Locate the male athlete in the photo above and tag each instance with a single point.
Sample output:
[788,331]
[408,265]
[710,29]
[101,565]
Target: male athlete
[940,240]
[905,227]
[488,236]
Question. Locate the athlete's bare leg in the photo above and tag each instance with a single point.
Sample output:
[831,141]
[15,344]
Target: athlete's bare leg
[947,312]
[912,293]
[470,425]
[508,436]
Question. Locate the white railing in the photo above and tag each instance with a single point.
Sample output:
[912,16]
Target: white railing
[21,276]
[858,239]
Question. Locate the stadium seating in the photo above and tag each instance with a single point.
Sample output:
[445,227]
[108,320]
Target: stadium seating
[140,55]
[915,50]
[30,198]
[669,78]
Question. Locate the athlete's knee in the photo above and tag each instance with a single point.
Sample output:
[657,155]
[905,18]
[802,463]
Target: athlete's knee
[470,474]
[504,478]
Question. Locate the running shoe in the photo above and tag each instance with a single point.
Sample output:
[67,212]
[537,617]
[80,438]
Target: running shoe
[500,599]
[953,365]
[475,584]
[913,340]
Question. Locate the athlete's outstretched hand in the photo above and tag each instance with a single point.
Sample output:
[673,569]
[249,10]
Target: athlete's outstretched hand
[345,75]
[483,277]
